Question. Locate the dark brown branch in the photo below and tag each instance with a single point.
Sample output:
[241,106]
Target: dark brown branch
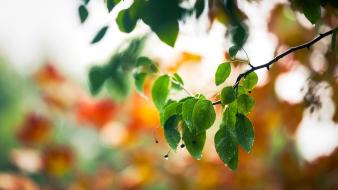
[278,57]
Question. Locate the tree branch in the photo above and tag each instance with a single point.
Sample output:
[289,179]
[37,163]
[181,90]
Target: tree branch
[278,57]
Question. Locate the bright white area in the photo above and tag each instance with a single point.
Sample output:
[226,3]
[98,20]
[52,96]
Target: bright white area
[317,134]
[34,30]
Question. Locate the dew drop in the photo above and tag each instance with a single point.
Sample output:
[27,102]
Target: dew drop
[166,156]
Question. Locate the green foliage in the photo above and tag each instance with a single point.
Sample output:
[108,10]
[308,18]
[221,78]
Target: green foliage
[97,77]
[229,115]
[228,95]
[83,13]
[115,75]
[85,1]
[244,132]
[177,78]
[226,143]
[111,4]
[312,11]
[160,91]
[192,116]
[125,21]
[194,141]
[139,79]
[222,73]
[169,110]
[233,163]
[171,133]
[245,103]
[250,81]
[199,7]
[203,115]
[233,50]
[187,110]
[100,35]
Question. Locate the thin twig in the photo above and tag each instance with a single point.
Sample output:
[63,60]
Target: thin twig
[278,57]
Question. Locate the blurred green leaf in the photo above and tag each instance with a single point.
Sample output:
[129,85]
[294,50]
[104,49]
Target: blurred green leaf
[83,13]
[194,141]
[118,84]
[245,103]
[98,37]
[125,21]
[222,73]
[203,115]
[171,133]
[111,4]
[233,50]
[244,132]
[226,143]
[97,77]
[187,110]
[85,1]
[250,81]
[228,95]
[178,79]
[160,91]
[239,35]
[139,79]
[312,10]
[199,7]
[162,16]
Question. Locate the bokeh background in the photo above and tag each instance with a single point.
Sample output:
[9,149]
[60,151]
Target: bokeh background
[55,135]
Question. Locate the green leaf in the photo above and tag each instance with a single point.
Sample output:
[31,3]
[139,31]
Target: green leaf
[194,141]
[171,133]
[118,84]
[199,7]
[250,81]
[222,73]
[178,79]
[312,11]
[146,65]
[162,16]
[233,50]
[125,21]
[100,35]
[169,110]
[241,90]
[139,79]
[97,77]
[229,115]
[239,35]
[244,132]
[245,103]
[111,4]
[168,32]
[226,143]
[160,91]
[86,2]
[228,95]
[187,110]
[233,163]
[83,13]
[203,115]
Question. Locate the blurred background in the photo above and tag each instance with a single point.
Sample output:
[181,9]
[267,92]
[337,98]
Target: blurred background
[55,135]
